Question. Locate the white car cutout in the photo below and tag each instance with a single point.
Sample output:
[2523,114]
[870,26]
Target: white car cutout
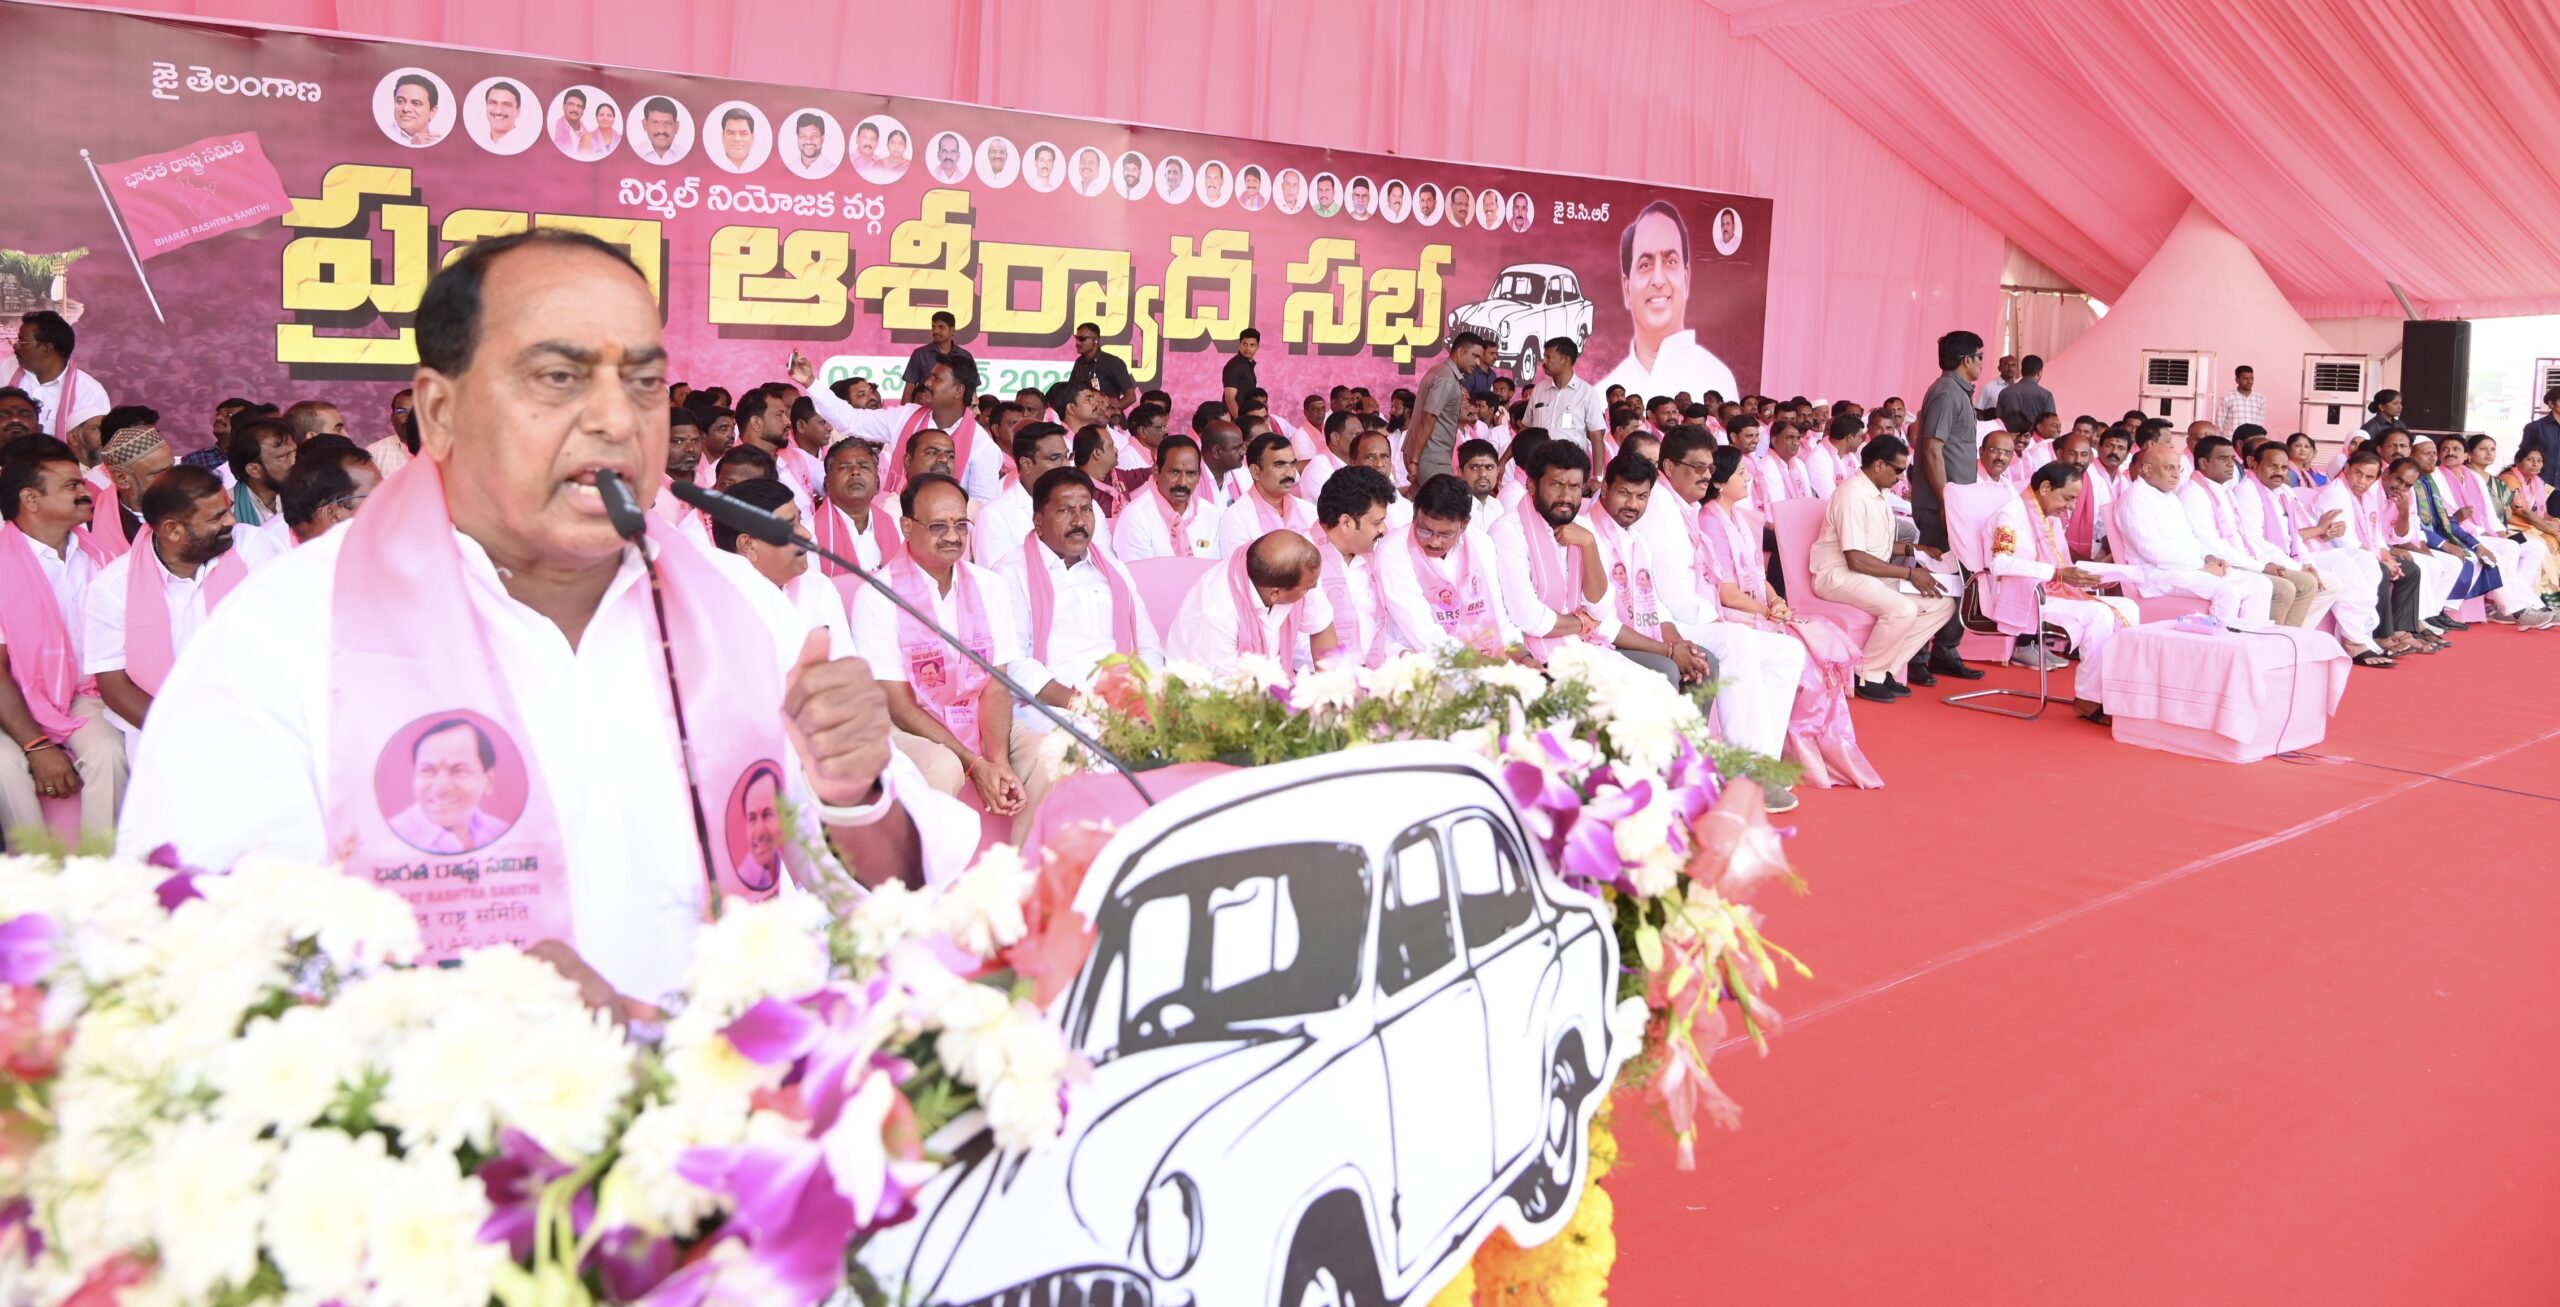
[1531,304]
[1325,1065]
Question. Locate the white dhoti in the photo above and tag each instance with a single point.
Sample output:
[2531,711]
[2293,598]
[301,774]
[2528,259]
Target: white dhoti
[2515,580]
[1756,677]
[2089,624]
[2438,574]
[2234,594]
[2356,578]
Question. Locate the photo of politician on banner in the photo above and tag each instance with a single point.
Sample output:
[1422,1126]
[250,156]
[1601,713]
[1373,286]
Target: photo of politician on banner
[769,218]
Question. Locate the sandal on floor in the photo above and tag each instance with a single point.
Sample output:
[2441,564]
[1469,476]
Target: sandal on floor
[2374,658]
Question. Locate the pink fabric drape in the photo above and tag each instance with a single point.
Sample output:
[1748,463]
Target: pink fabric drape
[2347,142]
[1870,261]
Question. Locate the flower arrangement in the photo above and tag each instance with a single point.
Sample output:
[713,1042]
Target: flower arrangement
[229,1089]
[1614,775]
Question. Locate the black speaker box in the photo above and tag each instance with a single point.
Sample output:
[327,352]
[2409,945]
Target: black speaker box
[2435,375]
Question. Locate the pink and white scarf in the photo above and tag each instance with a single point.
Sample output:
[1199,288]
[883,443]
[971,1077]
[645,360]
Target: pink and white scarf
[409,656]
[149,648]
[1460,604]
[41,657]
[964,441]
[1044,597]
[1250,637]
[1177,526]
[835,532]
[945,683]
[1366,645]
[1555,571]
[1631,584]
[106,520]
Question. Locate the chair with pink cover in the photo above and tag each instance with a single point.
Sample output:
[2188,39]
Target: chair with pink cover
[1797,523]
[1973,514]
[1162,582]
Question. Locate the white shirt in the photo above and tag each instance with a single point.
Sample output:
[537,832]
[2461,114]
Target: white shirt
[2254,500]
[88,398]
[981,477]
[1520,594]
[1204,628]
[1572,411]
[2213,512]
[1080,631]
[1241,524]
[1002,523]
[101,643]
[1215,497]
[812,596]
[1681,590]
[2157,536]
[866,543]
[1681,364]
[1404,616]
[71,575]
[256,686]
[1404,569]
[876,621]
[1140,530]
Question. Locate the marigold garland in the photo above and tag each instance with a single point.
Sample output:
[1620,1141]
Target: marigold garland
[1570,1270]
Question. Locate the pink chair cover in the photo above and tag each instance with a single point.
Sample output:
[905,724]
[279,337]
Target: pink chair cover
[1798,524]
[1162,582]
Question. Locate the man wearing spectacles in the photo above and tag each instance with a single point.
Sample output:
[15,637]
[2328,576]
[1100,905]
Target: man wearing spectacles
[1852,565]
[1945,451]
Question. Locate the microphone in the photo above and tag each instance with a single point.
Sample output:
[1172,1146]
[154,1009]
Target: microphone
[629,522]
[748,520]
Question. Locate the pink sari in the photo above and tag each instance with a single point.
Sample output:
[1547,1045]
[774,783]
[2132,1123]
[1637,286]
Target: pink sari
[1820,736]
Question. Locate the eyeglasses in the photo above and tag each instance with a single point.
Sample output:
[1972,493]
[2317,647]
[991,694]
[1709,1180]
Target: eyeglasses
[348,502]
[1087,340]
[1702,468]
[945,530]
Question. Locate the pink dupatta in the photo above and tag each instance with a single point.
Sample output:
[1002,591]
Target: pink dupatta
[1044,597]
[1821,738]
[106,521]
[1249,635]
[1369,647]
[964,440]
[1555,570]
[943,681]
[149,649]
[409,657]
[1177,526]
[41,660]
[834,530]
[1461,605]
[62,398]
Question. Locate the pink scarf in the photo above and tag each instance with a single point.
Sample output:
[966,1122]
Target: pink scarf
[813,473]
[2470,493]
[1458,604]
[943,681]
[1177,526]
[149,648]
[62,398]
[835,531]
[1044,597]
[1368,647]
[1273,519]
[40,654]
[964,441]
[408,654]
[1632,585]
[1249,635]
[1730,551]
[1555,571]
[2287,536]
[106,521]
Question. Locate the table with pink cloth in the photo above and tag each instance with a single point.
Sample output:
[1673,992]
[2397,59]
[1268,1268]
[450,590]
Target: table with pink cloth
[2232,695]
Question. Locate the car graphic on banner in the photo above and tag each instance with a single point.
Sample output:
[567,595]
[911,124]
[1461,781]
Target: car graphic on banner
[1342,1023]
[1530,304]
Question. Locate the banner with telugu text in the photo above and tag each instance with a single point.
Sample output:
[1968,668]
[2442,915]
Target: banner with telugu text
[830,221]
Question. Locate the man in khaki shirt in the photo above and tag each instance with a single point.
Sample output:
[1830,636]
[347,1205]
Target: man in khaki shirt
[1851,566]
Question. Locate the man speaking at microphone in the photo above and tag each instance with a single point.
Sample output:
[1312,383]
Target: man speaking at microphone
[485,583]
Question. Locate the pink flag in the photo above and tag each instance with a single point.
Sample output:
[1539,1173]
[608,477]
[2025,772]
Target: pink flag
[218,184]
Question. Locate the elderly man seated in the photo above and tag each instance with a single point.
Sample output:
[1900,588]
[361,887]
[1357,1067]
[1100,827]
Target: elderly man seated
[2160,544]
[2030,557]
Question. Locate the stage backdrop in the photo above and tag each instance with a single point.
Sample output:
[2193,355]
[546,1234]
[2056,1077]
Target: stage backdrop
[286,197]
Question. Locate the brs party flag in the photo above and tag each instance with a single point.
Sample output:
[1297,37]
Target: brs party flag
[206,188]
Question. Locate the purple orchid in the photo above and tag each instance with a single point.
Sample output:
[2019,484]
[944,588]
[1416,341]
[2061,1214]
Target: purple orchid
[26,949]
[1591,846]
[1547,801]
[515,1179]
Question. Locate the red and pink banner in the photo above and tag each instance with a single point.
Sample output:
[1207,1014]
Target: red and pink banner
[772,218]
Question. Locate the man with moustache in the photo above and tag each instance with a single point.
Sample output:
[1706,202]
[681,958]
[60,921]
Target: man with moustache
[737,138]
[502,105]
[1222,475]
[809,132]
[1077,601]
[1038,449]
[184,563]
[1271,503]
[1654,269]
[1447,559]
[1647,635]
[18,414]
[658,130]
[48,565]
[413,109]
[849,522]
[1375,611]
[1167,517]
[1375,450]
[949,393]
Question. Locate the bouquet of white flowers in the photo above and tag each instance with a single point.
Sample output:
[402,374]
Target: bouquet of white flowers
[230,1089]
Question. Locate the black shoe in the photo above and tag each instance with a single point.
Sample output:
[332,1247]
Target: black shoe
[1875,691]
[1900,691]
[1918,674]
[1956,668]
[2449,624]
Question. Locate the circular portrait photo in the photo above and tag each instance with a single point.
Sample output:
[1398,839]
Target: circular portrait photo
[1728,232]
[1362,201]
[812,144]
[1089,172]
[1462,206]
[1253,188]
[1489,209]
[754,821]
[947,158]
[1173,179]
[1327,197]
[1290,191]
[998,162]
[1426,203]
[881,148]
[739,138]
[663,132]
[495,116]
[1520,211]
[450,783]
[1394,199]
[1044,167]
[1131,176]
[585,123]
[1212,187]
[414,107]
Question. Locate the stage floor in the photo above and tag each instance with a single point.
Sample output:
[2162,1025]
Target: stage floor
[2097,1024]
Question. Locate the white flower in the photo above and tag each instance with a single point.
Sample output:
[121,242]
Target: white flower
[1483,741]
[1649,740]
[890,915]
[971,1045]
[505,982]
[982,910]
[568,1081]
[643,1189]
[1260,672]
[707,1068]
[315,1211]
[1402,675]
[423,1247]
[1059,752]
[1335,687]
[1013,1057]
[443,1081]
[203,1179]
[1189,673]
[1627,1025]
[773,949]
[1522,683]
[284,1071]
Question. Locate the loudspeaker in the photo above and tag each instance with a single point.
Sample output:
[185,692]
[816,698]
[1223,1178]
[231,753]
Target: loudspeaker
[2435,374]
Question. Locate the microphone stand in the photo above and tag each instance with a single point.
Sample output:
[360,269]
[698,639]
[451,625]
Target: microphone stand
[747,519]
[631,524]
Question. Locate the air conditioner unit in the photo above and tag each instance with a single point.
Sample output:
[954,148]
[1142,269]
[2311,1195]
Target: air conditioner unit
[2334,387]
[2177,385]
[2546,374]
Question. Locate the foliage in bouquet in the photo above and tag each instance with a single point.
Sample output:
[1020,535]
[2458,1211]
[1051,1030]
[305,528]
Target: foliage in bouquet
[230,1089]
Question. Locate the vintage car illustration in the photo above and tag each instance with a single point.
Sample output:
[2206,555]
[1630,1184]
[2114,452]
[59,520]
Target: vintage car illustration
[1531,304]
[1342,1024]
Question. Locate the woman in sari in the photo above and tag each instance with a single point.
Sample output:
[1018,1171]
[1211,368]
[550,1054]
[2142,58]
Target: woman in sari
[1820,737]
[2521,494]
[2304,451]
[608,130]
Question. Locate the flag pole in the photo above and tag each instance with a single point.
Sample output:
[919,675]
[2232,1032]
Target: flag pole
[121,235]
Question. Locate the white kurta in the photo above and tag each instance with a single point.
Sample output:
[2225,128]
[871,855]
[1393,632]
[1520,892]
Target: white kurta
[1204,628]
[2167,558]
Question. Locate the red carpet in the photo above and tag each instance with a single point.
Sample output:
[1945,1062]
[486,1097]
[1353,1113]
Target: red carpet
[2096,1024]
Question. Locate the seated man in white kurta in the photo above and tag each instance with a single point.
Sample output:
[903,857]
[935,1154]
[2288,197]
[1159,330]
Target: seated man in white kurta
[1077,602]
[2167,558]
[1263,602]
[2029,555]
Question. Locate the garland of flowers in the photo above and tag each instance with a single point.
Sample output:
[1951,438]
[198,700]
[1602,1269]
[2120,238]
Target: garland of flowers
[1616,779]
